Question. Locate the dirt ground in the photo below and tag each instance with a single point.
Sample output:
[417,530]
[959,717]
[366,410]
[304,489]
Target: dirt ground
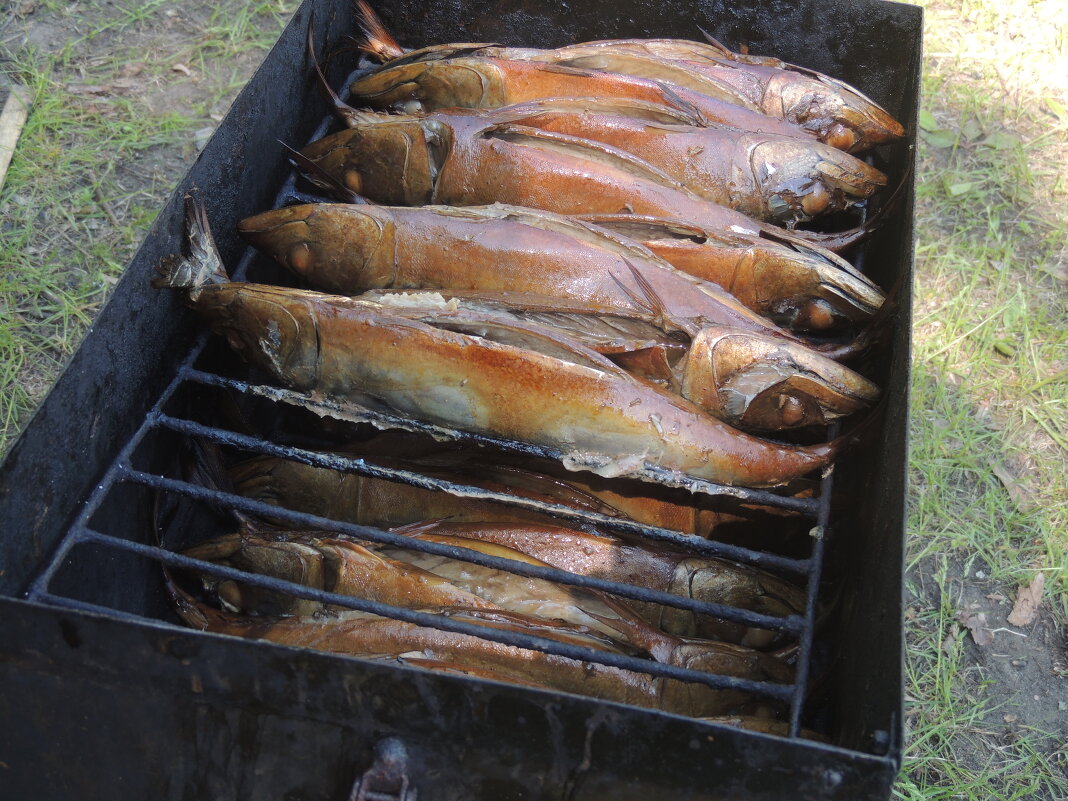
[167,69]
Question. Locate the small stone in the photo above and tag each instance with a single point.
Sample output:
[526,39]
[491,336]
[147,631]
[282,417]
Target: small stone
[201,137]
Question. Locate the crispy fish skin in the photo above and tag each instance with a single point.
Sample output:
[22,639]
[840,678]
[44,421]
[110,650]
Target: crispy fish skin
[651,566]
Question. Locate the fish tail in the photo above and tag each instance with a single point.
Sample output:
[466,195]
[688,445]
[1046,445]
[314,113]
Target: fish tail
[378,42]
[203,265]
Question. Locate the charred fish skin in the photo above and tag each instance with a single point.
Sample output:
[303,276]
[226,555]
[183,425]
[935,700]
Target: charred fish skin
[600,417]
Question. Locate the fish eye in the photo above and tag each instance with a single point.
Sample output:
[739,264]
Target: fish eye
[300,257]
[353,180]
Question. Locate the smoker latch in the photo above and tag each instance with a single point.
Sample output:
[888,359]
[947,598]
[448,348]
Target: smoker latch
[387,778]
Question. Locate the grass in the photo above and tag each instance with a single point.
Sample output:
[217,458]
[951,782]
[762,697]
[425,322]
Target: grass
[96,159]
[989,490]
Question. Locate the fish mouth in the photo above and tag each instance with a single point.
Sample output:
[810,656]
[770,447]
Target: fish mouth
[761,384]
[271,221]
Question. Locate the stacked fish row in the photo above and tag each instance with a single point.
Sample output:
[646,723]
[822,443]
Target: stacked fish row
[558,272]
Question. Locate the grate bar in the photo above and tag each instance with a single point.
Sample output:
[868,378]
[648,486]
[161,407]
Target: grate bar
[690,542]
[791,624]
[515,639]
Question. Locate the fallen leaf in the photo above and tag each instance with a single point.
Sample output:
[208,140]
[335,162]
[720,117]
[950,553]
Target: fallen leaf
[975,622]
[940,138]
[927,120]
[1027,601]
[1018,490]
[1010,718]
[182,68]
[996,596]
[950,642]
[971,129]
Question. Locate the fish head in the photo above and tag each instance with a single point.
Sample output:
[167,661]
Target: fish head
[272,328]
[385,160]
[838,113]
[426,86]
[277,557]
[799,179]
[331,246]
[764,384]
[806,288]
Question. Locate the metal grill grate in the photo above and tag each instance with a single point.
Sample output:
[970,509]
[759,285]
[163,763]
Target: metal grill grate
[122,472]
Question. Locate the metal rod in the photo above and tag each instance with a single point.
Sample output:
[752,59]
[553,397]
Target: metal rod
[511,638]
[804,651]
[329,461]
[791,624]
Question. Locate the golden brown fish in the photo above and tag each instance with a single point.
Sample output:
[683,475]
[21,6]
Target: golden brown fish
[592,412]
[647,565]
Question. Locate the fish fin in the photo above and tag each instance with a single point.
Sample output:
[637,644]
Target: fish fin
[649,300]
[203,265]
[341,108]
[322,179]
[418,527]
[378,42]
[716,43]
[685,106]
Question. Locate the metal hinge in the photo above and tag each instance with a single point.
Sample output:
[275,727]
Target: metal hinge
[387,778]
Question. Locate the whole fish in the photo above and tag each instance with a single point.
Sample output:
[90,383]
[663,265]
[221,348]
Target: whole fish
[755,383]
[464,158]
[410,578]
[647,565]
[765,176]
[349,249]
[831,109]
[374,637]
[369,501]
[592,412]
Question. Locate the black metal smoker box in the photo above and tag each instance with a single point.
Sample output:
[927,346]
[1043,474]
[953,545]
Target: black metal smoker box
[104,696]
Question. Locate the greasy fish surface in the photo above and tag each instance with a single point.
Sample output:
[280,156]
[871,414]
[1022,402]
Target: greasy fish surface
[594,413]
[823,106]
[464,158]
